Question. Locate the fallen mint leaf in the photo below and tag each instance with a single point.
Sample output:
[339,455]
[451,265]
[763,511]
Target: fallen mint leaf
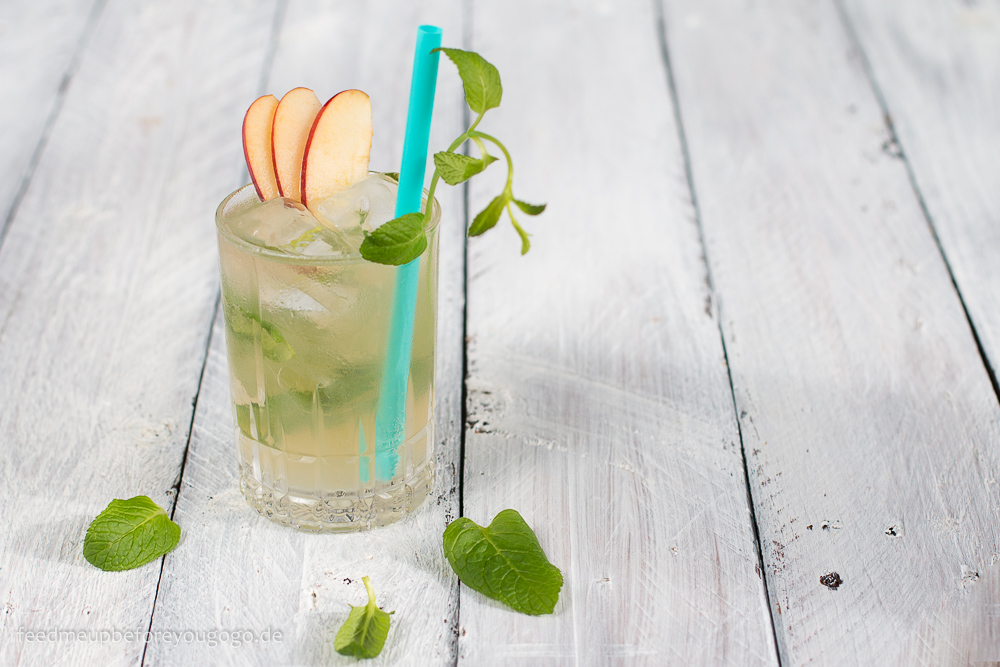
[363,633]
[504,561]
[129,534]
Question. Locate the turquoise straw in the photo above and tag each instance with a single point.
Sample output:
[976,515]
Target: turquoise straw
[390,420]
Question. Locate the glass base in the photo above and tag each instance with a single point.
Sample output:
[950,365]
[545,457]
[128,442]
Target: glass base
[327,511]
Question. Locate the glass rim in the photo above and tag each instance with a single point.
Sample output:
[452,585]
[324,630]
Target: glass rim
[342,258]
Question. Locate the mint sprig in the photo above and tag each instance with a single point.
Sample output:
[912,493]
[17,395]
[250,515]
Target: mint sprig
[504,561]
[404,239]
[363,633]
[129,534]
[397,242]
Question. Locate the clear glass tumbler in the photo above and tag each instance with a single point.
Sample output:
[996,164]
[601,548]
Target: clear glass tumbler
[307,338]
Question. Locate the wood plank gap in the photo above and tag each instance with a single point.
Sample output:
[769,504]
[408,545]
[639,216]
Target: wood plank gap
[265,69]
[661,35]
[894,139]
[466,120]
[114,309]
[600,405]
[180,475]
[252,558]
[194,410]
[864,404]
[43,140]
[746,479]
[661,38]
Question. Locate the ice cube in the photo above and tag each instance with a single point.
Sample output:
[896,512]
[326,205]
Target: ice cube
[363,206]
[380,191]
[339,227]
[272,224]
[343,211]
[284,225]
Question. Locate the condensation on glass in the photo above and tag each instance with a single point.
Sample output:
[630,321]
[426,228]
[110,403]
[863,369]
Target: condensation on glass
[306,339]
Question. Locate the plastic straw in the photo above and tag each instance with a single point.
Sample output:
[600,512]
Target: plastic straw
[390,420]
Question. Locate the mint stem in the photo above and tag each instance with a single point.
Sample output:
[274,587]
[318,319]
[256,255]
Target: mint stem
[496,142]
[471,133]
[465,136]
[371,591]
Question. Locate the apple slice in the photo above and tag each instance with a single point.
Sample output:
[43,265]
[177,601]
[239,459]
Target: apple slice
[339,146]
[257,146]
[292,120]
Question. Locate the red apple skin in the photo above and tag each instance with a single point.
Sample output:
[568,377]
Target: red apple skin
[293,119]
[339,146]
[257,138]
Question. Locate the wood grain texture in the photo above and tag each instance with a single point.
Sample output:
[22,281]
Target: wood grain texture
[937,68]
[868,417]
[39,42]
[107,286]
[238,571]
[598,401]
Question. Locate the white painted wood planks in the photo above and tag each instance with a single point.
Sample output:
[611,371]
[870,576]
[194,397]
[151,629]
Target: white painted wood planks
[937,67]
[39,44]
[599,403]
[867,415]
[238,571]
[107,286]
[598,400]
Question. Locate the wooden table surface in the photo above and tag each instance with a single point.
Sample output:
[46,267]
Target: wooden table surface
[754,343]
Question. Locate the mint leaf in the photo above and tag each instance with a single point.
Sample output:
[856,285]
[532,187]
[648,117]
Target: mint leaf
[396,242]
[525,242]
[239,320]
[243,417]
[244,323]
[392,175]
[504,562]
[363,633]
[128,534]
[455,168]
[530,209]
[489,216]
[480,79]
[273,344]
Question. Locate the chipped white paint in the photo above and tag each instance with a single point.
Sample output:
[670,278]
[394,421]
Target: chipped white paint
[235,569]
[107,285]
[864,403]
[598,401]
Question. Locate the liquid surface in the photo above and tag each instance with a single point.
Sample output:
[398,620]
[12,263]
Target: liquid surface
[286,227]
